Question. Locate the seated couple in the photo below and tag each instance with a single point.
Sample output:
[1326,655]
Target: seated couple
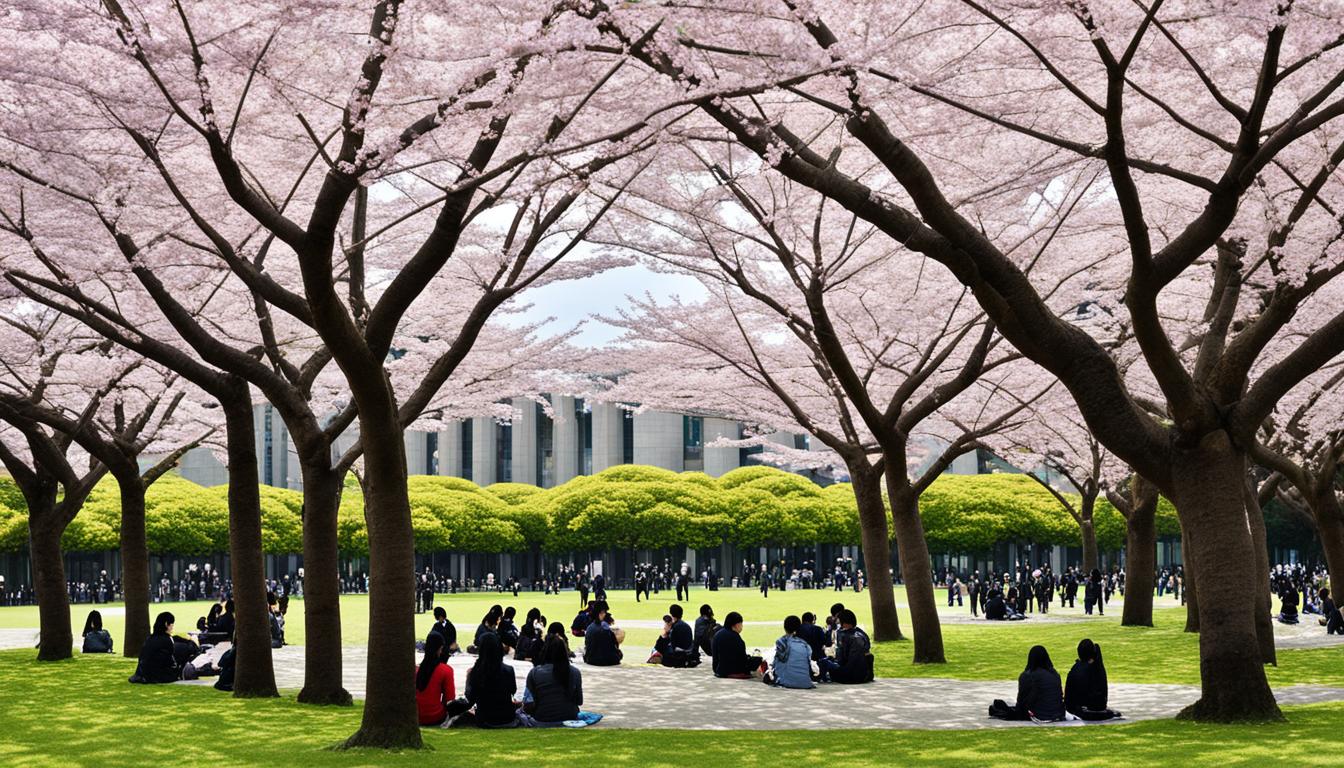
[1040,697]
[553,693]
[676,646]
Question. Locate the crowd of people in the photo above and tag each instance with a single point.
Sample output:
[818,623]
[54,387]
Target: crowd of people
[1014,593]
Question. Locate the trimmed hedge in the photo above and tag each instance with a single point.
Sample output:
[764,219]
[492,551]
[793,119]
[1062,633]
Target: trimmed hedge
[622,507]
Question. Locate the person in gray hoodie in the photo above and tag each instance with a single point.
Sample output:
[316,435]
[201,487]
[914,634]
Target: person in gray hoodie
[792,665]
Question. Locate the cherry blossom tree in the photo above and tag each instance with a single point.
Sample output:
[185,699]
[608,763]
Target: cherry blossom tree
[802,313]
[1220,164]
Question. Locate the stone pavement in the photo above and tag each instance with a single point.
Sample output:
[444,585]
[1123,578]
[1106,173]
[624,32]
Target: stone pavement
[636,695]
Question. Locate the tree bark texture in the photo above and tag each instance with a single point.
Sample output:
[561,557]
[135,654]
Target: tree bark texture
[390,719]
[1140,558]
[876,542]
[322,664]
[1264,605]
[134,565]
[1191,590]
[1207,482]
[917,572]
[1330,524]
[254,676]
[53,601]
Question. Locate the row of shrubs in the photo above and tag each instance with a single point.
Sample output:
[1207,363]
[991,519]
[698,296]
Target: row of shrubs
[622,507]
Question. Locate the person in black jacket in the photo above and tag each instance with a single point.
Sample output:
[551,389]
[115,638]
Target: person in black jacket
[442,626]
[490,687]
[96,639]
[600,648]
[730,651]
[676,646]
[853,663]
[226,623]
[157,663]
[489,625]
[813,635]
[705,629]
[1330,615]
[1039,693]
[1085,691]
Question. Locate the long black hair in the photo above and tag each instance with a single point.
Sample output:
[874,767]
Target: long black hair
[556,653]
[433,657]
[489,661]
[162,621]
[93,624]
[213,615]
[1039,658]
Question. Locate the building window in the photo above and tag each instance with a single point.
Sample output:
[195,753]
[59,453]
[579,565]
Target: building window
[466,449]
[267,454]
[545,447]
[504,453]
[744,454]
[693,443]
[627,436]
[584,417]
[800,442]
[432,453]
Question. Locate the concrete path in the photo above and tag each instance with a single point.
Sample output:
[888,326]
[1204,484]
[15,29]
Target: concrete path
[637,695]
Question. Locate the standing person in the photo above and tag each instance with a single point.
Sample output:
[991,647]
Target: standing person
[582,585]
[641,583]
[973,592]
[434,689]
[1092,592]
[765,582]
[600,588]
[730,651]
[684,583]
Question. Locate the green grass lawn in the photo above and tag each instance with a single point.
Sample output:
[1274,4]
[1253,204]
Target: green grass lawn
[1161,654]
[82,712]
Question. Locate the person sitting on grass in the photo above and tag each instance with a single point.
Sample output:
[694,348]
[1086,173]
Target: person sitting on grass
[227,622]
[814,636]
[227,666]
[444,628]
[601,648]
[96,639]
[157,662]
[1085,690]
[853,662]
[676,646]
[581,620]
[508,631]
[792,665]
[434,689]
[1039,693]
[490,687]
[531,635]
[554,688]
[730,651]
[705,629]
[489,625]
[1330,615]
[833,623]
[1288,605]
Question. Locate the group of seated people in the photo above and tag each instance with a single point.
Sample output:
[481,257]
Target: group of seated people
[1041,698]
[552,693]
[166,658]
[1330,617]
[997,608]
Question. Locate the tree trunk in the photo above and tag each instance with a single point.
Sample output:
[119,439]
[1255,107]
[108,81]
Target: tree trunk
[134,565]
[53,601]
[390,719]
[876,544]
[1207,482]
[322,664]
[1330,523]
[913,550]
[1088,530]
[254,676]
[1190,590]
[1140,557]
[1264,623]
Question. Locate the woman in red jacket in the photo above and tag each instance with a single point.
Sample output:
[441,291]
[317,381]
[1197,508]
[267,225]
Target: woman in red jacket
[434,683]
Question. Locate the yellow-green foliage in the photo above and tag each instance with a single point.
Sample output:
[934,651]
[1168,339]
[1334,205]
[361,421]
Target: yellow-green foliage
[625,506]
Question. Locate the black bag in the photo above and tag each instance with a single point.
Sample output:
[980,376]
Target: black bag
[1000,710]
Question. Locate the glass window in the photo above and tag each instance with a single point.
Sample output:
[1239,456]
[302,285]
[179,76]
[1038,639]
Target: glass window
[627,436]
[466,449]
[693,443]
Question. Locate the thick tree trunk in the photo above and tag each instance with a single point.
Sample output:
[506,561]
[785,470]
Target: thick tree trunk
[390,719]
[134,565]
[913,550]
[254,674]
[1190,590]
[1330,524]
[1140,558]
[876,543]
[1264,606]
[322,664]
[1207,482]
[53,601]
